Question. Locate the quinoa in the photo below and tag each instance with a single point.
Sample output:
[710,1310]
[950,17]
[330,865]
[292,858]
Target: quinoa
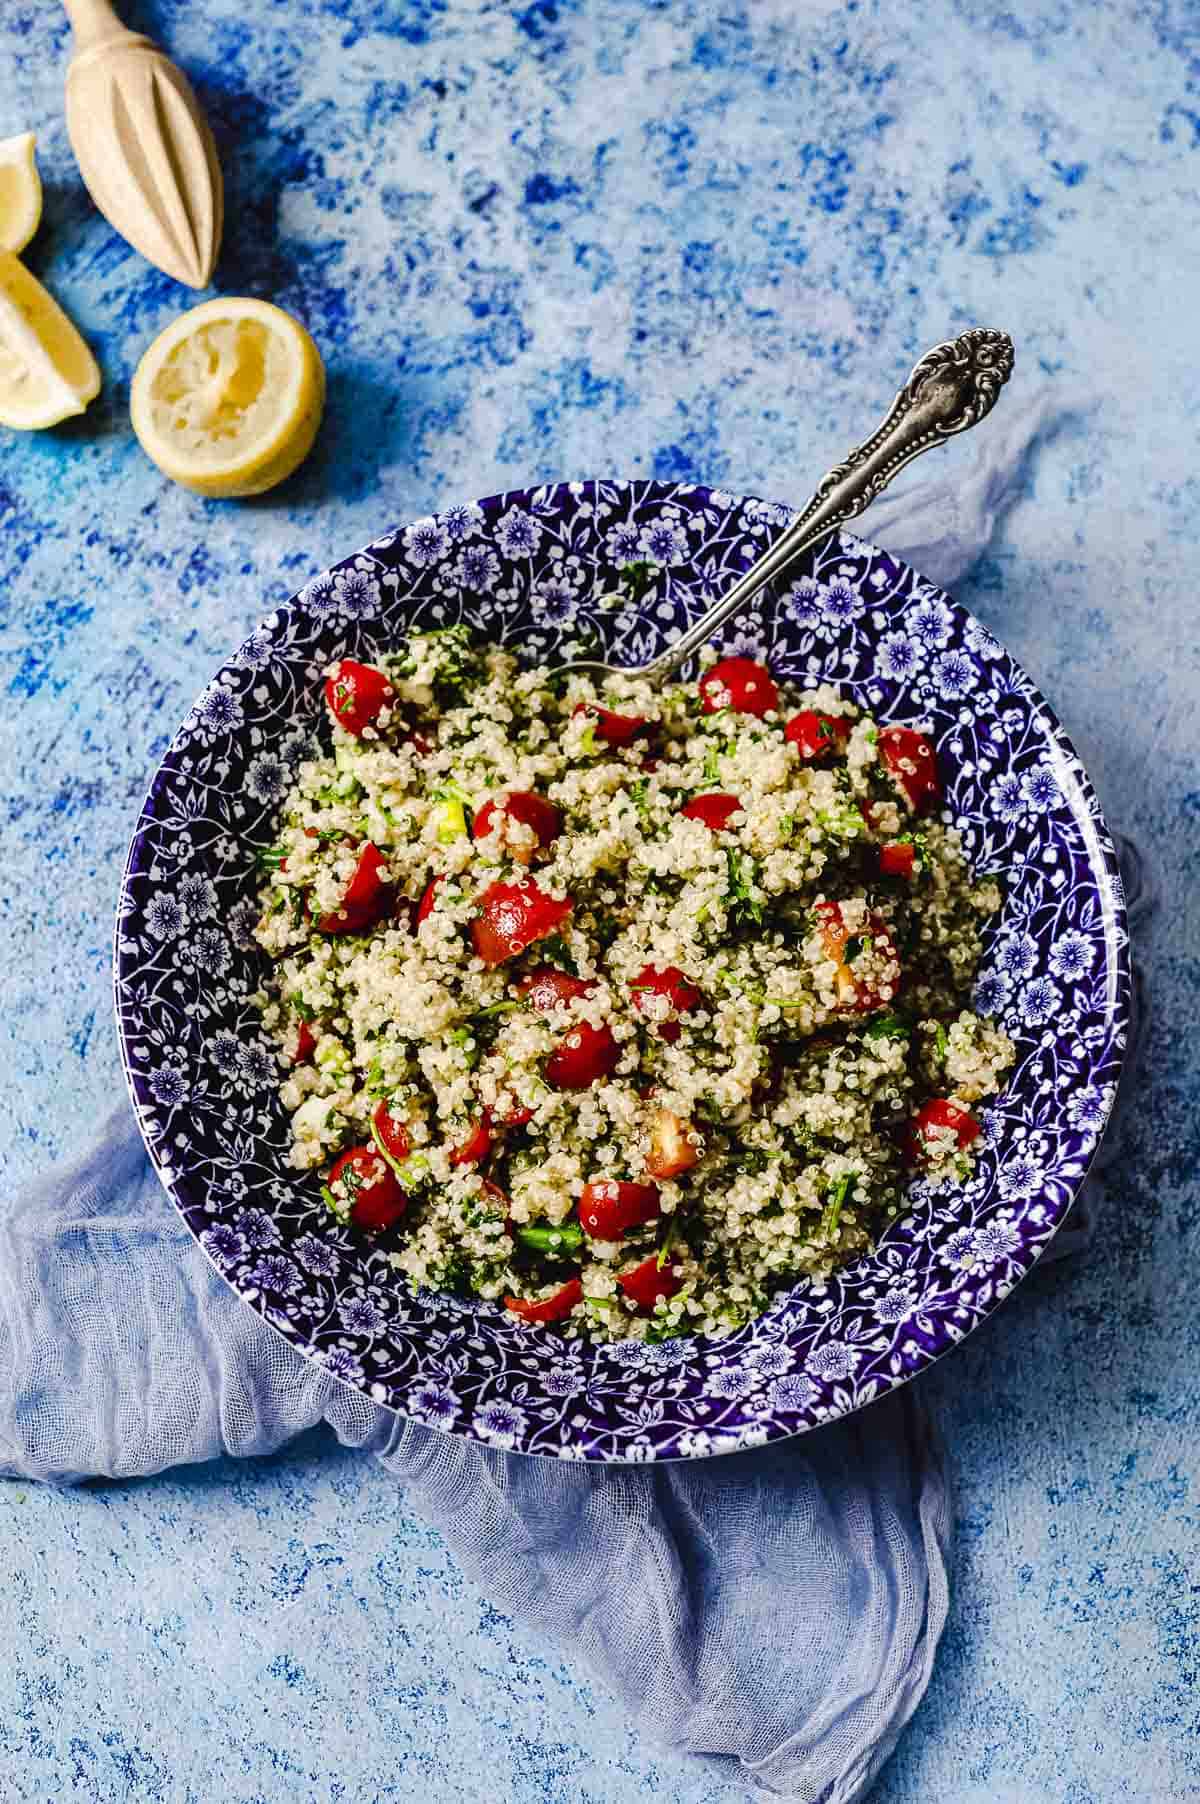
[627,1007]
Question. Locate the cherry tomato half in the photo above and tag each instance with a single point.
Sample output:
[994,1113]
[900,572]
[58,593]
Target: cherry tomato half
[748,685]
[713,810]
[646,1283]
[550,1309]
[614,729]
[512,916]
[392,1134]
[478,1144]
[672,1148]
[306,1042]
[363,1176]
[859,993]
[909,760]
[426,904]
[548,987]
[932,1125]
[611,1206]
[583,1056]
[357,694]
[816,735]
[528,808]
[897,859]
[671,983]
[365,898]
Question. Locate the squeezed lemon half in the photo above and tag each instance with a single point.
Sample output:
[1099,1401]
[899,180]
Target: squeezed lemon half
[228,399]
[20,191]
[46,370]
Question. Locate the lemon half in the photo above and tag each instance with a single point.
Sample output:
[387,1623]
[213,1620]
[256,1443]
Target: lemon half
[227,400]
[46,370]
[20,191]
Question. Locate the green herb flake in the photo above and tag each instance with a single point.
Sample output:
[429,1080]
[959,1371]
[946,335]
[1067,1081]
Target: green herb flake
[888,1026]
[742,870]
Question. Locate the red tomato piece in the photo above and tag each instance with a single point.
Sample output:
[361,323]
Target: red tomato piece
[531,810]
[713,810]
[647,1282]
[583,1056]
[611,1206]
[897,859]
[425,905]
[614,729]
[816,735]
[671,983]
[749,685]
[392,1134]
[672,1148]
[366,886]
[478,1144]
[933,1123]
[357,694]
[549,1309]
[518,1117]
[512,916]
[365,899]
[306,1041]
[548,987]
[909,760]
[363,1176]
[856,994]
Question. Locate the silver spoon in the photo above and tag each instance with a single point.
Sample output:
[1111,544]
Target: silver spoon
[953,387]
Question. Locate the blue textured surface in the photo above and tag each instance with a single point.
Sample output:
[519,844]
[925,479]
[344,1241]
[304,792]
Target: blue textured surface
[690,241]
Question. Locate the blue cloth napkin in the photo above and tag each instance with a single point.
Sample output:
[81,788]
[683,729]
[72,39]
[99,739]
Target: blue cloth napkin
[776,1611]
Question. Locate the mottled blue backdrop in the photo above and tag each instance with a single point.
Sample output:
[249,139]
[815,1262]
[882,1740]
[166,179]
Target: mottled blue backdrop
[693,240]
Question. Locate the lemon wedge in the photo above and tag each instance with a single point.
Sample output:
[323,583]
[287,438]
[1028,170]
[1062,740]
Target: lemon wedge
[46,370]
[227,400]
[20,191]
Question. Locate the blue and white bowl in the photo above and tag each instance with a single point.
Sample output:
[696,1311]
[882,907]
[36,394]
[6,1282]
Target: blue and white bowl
[527,570]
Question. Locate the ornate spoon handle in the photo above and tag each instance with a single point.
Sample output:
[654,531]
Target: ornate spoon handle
[953,387]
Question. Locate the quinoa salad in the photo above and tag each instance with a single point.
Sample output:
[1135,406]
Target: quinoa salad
[622,1007]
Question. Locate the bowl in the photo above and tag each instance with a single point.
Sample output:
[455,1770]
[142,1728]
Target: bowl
[531,569]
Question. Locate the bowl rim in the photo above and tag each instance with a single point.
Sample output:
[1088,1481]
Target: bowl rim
[1102,856]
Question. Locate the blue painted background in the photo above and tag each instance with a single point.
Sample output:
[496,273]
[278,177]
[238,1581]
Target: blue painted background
[622,237]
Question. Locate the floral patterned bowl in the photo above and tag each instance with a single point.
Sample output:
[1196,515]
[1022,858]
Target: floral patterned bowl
[528,570]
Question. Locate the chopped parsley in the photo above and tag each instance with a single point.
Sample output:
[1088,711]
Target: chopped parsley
[742,872]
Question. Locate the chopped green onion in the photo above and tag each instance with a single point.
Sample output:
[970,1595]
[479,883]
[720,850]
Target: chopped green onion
[566,1238]
[669,1239]
[833,1209]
